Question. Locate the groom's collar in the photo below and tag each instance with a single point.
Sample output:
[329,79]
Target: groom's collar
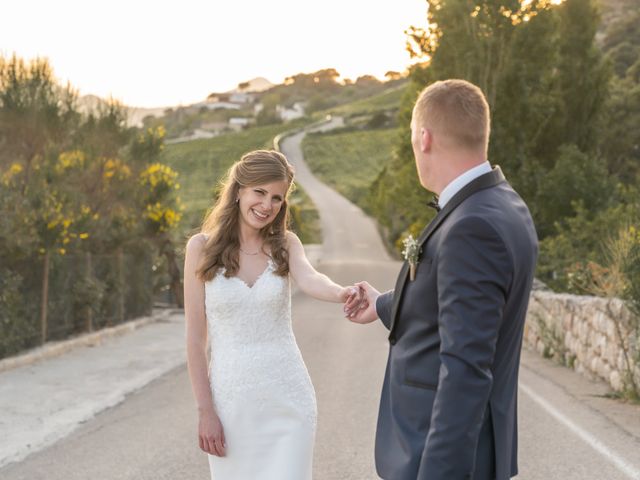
[460,181]
[494,177]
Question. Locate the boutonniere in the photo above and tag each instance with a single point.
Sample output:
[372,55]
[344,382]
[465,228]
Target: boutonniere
[411,253]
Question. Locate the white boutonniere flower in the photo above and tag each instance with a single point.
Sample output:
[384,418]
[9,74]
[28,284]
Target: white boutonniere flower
[411,254]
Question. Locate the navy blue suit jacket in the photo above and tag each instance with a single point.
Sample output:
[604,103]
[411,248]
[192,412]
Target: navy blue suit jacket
[448,405]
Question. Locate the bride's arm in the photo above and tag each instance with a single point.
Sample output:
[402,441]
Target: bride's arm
[209,428]
[310,281]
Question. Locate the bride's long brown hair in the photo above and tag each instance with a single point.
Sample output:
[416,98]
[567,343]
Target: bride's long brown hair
[221,225]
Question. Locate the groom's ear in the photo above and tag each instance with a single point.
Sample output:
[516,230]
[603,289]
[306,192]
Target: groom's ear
[426,140]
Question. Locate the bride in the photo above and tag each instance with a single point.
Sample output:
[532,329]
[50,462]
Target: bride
[256,404]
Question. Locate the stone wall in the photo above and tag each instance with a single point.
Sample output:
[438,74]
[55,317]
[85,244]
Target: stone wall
[585,333]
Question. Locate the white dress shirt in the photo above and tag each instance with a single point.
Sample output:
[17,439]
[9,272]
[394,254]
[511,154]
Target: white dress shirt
[459,182]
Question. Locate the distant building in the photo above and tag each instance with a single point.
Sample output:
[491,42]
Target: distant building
[288,114]
[238,123]
[241,97]
[214,105]
[215,127]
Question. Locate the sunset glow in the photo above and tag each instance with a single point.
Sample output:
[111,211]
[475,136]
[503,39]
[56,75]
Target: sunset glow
[161,53]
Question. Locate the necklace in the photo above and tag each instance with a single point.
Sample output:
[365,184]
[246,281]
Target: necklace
[247,253]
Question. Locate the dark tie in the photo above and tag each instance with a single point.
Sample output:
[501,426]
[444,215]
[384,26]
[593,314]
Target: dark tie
[433,203]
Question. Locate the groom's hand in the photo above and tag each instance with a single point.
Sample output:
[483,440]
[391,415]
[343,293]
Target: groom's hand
[366,311]
[352,297]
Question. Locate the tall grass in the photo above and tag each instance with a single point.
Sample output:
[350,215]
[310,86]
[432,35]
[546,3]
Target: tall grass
[349,161]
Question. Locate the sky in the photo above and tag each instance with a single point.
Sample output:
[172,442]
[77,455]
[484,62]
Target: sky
[165,53]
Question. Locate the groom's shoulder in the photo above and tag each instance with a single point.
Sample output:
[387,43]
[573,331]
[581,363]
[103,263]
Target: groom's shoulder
[471,222]
[488,210]
[482,203]
[498,209]
[495,201]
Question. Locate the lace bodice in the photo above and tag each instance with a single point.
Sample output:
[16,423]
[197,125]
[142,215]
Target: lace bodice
[240,315]
[253,350]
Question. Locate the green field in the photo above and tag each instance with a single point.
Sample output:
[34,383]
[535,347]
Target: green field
[349,161]
[202,163]
[387,100]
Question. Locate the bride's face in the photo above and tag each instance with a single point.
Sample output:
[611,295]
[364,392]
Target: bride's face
[259,205]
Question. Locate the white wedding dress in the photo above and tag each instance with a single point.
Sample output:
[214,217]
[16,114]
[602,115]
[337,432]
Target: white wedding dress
[261,387]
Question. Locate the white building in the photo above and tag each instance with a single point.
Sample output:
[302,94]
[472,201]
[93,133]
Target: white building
[288,114]
[241,97]
[219,105]
[238,123]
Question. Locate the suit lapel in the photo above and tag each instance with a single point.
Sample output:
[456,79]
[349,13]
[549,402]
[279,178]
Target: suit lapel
[483,181]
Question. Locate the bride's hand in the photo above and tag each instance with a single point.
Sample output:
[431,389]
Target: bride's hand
[211,434]
[352,297]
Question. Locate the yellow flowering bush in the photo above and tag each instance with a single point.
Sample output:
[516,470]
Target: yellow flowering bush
[163,209]
[163,218]
[8,176]
[148,144]
[116,169]
[69,160]
[158,175]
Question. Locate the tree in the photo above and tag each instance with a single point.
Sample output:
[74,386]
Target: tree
[65,178]
[392,75]
[619,137]
[35,112]
[162,213]
[367,80]
[104,131]
[536,64]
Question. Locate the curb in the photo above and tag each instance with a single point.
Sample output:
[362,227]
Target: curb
[281,136]
[55,349]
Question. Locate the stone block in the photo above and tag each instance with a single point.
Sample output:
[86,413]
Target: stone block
[615,380]
[621,363]
[604,370]
[611,329]
[594,364]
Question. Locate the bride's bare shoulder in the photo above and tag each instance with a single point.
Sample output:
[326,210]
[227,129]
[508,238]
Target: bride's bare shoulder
[291,238]
[196,243]
[293,244]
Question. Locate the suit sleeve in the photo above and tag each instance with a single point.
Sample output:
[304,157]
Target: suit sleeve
[383,308]
[474,274]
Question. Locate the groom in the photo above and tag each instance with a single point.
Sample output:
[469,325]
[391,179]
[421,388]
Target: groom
[448,406]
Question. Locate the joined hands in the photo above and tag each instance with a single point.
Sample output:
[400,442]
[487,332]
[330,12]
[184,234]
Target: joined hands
[360,305]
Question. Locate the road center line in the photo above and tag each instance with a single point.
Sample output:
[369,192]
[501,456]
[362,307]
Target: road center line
[620,463]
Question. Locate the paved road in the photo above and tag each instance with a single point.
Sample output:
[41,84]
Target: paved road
[349,236]
[568,429]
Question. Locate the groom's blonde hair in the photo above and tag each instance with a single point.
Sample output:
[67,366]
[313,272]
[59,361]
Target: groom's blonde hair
[456,109]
